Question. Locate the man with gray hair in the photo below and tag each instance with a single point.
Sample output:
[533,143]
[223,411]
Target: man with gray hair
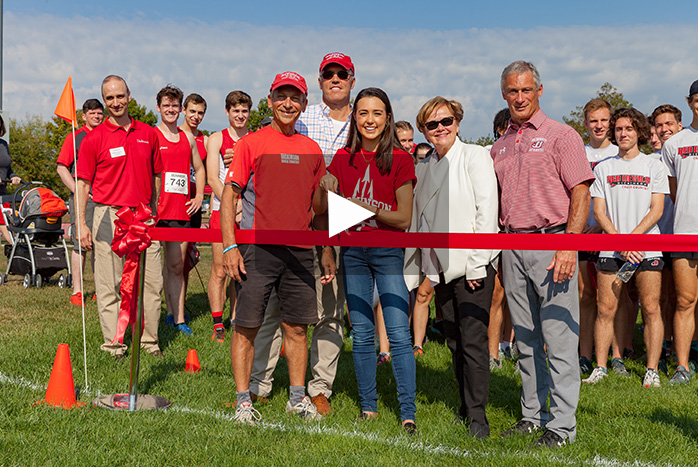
[544,180]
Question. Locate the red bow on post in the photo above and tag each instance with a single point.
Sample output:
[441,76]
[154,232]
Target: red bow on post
[131,238]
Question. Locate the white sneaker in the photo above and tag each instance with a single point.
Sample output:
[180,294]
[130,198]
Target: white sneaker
[651,379]
[246,414]
[305,408]
[597,375]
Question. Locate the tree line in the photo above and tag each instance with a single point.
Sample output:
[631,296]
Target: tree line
[35,142]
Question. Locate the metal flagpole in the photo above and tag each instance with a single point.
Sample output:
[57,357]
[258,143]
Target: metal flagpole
[134,401]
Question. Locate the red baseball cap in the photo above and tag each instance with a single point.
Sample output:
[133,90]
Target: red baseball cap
[338,58]
[291,79]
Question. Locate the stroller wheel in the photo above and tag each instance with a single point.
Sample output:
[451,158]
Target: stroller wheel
[27,281]
[61,281]
[39,281]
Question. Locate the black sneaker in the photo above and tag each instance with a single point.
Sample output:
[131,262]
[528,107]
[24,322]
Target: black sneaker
[585,365]
[522,427]
[549,439]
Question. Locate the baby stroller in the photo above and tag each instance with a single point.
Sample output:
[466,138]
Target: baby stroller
[35,225]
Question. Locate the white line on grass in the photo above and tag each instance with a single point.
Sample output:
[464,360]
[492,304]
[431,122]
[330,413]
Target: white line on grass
[320,429]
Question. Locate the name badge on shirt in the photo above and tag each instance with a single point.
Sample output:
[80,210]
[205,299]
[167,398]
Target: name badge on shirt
[176,183]
[117,152]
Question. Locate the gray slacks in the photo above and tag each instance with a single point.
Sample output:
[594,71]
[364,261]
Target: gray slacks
[545,316]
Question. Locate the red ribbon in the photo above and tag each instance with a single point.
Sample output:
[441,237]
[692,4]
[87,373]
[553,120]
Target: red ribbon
[553,242]
[131,238]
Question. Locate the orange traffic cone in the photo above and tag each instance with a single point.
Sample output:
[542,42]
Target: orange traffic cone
[61,389]
[192,365]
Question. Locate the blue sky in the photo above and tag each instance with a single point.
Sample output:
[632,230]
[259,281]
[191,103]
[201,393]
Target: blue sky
[413,50]
[446,14]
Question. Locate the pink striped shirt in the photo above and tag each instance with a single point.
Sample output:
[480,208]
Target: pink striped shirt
[537,165]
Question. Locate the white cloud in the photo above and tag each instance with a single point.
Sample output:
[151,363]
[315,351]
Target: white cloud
[411,65]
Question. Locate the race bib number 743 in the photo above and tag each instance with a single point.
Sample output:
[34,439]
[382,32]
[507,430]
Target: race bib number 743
[176,183]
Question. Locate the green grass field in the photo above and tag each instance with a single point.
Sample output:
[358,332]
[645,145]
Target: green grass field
[619,422]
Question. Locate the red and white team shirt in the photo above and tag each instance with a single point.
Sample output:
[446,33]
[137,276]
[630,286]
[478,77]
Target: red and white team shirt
[680,155]
[201,148]
[176,163]
[627,187]
[594,156]
[362,180]
[120,165]
[278,175]
[227,142]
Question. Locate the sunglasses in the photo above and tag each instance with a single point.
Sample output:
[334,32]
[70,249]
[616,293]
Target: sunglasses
[433,125]
[341,74]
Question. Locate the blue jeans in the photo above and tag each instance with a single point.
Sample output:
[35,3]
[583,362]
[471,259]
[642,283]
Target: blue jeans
[361,267]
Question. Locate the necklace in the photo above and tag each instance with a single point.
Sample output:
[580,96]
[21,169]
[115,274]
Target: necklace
[364,156]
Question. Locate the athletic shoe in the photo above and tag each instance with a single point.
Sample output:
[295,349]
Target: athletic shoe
[628,354]
[495,364]
[321,404]
[218,335]
[169,320]
[618,366]
[585,365]
[549,439]
[692,367]
[305,408]
[651,379]
[681,376]
[246,414]
[410,428]
[76,299]
[522,427]
[662,366]
[597,375]
[383,358]
[418,351]
[157,353]
[185,329]
[510,353]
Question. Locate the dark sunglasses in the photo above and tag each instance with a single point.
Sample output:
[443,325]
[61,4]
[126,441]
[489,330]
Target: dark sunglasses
[341,74]
[433,125]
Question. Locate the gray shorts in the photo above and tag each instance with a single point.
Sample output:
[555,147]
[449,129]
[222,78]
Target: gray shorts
[89,214]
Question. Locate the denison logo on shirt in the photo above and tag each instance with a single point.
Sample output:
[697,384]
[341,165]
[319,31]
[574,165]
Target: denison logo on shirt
[142,141]
[537,144]
[290,159]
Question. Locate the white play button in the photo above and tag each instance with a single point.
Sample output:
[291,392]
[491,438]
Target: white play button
[344,214]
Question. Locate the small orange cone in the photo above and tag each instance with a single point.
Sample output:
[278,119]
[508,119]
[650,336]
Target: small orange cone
[61,389]
[192,365]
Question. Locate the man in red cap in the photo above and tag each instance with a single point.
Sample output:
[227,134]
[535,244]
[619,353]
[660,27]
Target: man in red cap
[326,123]
[275,163]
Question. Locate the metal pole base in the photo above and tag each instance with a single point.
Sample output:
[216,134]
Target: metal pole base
[131,403]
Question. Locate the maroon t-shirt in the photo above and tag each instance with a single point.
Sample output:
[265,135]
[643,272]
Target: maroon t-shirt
[362,180]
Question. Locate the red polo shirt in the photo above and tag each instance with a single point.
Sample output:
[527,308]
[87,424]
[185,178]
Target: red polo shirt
[67,155]
[120,164]
[537,165]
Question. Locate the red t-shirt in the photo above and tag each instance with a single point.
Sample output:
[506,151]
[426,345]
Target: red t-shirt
[67,155]
[119,164]
[363,180]
[278,175]
[176,164]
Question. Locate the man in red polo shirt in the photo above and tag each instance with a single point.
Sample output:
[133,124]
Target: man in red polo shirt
[120,161]
[273,164]
[92,115]
[544,180]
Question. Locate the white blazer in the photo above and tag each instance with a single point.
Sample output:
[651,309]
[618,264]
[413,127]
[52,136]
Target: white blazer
[457,194]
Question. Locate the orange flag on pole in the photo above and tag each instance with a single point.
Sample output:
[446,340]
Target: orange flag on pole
[66,104]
